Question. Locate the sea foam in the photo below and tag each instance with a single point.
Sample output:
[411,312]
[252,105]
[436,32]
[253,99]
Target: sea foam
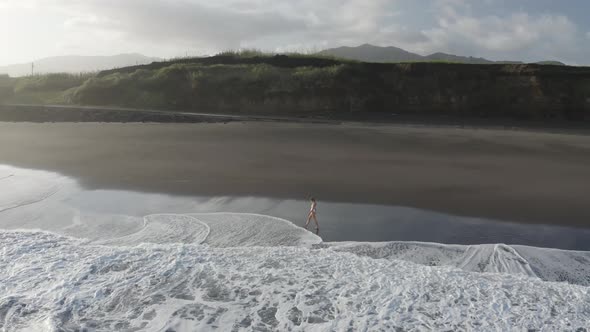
[51,282]
[67,269]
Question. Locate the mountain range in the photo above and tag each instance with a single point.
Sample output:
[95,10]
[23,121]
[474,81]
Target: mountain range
[76,64]
[372,53]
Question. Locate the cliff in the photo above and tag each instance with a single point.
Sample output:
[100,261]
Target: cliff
[293,85]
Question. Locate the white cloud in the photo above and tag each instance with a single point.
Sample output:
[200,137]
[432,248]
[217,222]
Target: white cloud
[171,27]
[515,32]
[180,22]
[513,36]
[228,24]
[25,4]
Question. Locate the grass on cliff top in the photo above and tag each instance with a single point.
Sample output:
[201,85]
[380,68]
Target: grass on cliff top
[167,83]
[39,89]
[254,53]
[50,82]
[181,85]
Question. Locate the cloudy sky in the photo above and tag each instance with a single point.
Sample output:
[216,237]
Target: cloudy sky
[526,30]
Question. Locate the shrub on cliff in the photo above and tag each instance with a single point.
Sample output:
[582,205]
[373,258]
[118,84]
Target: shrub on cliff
[50,82]
[6,87]
[182,86]
[279,85]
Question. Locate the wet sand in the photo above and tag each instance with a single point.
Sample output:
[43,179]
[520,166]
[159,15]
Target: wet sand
[516,176]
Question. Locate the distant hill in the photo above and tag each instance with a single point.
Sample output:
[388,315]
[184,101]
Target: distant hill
[77,64]
[551,63]
[456,58]
[371,53]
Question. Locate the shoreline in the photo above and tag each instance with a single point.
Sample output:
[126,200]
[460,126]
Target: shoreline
[515,176]
[33,113]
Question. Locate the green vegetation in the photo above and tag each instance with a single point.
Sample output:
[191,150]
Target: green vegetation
[40,89]
[197,86]
[244,53]
[254,53]
[50,82]
[299,84]
[6,87]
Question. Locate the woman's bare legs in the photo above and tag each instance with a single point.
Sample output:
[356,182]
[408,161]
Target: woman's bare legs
[315,219]
[317,226]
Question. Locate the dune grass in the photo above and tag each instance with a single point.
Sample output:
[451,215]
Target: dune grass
[50,82]
[252,53]
[6,87]
[181,86]
[40,89]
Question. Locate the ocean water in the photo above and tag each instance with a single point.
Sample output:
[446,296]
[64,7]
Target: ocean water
[74,260]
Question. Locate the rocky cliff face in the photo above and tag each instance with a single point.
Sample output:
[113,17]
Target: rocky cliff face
[521,91]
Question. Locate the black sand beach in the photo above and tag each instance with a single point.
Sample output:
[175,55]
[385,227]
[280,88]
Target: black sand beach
[519,176]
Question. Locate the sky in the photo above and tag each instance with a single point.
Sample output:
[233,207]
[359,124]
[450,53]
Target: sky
[527,30]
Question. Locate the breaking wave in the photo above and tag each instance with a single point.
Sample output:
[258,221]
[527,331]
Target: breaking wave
[67,270]
[57,283]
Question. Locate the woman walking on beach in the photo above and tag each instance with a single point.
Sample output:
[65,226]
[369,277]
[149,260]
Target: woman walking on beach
[312,214]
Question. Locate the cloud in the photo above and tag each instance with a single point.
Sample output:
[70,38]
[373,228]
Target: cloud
[227,24]
[512,36]
[180,22]
[24,4]
[515,32]
[171,27]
